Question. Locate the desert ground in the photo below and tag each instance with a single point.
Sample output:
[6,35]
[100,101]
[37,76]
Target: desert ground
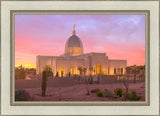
[69,89]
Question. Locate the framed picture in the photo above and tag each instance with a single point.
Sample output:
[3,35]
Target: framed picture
[80,58]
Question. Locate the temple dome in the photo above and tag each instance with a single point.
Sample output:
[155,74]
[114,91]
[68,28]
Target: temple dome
[74,45]
[74,41]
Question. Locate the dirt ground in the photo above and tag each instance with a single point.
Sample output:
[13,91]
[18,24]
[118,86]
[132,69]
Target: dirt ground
[78,92]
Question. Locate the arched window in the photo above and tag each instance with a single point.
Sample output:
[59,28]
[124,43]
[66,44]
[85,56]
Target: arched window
[121,70]
[62,72]
[114,70]
[71,71]
[98,69]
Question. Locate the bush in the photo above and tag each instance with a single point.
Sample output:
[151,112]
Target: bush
[107,93]
[105,89]
[20,73]
[118,92]
[99,94]
[95,90]
[21,95]
[125,95]
[133,96]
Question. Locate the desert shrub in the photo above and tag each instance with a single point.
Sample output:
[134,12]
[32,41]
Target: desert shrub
[99,94]
[125,95]
[107,94]
[118,92]
[20,73]
[21,95]
[133,96]
[138,98]
[95,90]
[32,98]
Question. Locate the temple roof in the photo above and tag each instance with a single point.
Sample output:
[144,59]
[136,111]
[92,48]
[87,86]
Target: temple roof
[74,41]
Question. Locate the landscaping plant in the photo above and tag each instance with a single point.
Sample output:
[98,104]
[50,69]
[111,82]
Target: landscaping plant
[99,94]
[85,80]
[133,96]
[107,93]
[118,92]
[125,95]
[95,90]
[126,83]
[105,89]
[21,95]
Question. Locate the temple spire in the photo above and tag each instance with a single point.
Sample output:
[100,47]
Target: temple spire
[74,32]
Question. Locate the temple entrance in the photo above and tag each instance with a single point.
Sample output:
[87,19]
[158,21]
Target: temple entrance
[98,69]
[71,71]
[62,72]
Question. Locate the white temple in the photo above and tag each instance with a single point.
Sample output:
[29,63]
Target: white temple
[95,63]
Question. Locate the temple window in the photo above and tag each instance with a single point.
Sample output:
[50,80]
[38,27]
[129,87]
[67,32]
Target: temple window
[71,71]
[62,72]
[98,69]
[121,70]
[114,70]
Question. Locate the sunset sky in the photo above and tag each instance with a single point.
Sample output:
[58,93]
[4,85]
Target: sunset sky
[119,36]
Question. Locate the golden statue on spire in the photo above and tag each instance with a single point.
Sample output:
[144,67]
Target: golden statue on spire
[74,26]
[74,32]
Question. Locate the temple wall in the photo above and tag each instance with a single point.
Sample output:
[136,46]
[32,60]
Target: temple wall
[91,60]
[118,65]
[100,59]
[41,61]
[66,64]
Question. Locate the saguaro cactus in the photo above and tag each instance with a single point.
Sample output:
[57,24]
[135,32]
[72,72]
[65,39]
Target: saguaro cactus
[44,83]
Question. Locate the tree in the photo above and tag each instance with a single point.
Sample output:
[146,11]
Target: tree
[136,70]
[48,70]
[126,83]
[91,70]
[141,70]
[85,80]
[80,70]
[31,71]
[128,70]
[133,70]
[84,70]
[20,73]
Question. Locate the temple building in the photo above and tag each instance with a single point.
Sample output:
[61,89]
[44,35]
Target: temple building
[73,58]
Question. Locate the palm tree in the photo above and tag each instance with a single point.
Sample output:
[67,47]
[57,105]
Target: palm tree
[128,70]
[134,70]
[84,70]
[91,70]
[80,70]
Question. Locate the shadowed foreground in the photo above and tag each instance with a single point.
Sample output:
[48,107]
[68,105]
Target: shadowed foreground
[69,89]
